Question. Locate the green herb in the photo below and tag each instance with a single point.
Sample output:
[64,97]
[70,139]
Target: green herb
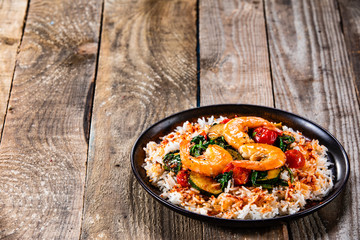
[201,144]
[290,173]
[198,139]
[284,141]
[222,143]
[172,161]
[224,178]
[282,182]
[254,177]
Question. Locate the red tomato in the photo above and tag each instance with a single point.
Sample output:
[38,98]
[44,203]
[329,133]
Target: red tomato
[294,158]
[204,135]
[225,121]
[264,135]
[240,175]
[182,178]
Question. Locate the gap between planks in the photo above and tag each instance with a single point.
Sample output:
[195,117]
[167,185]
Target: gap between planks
[89,109]
[13,72]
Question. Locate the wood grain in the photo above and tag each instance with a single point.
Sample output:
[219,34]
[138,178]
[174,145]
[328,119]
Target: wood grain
[147,70]
[12,14]
[312,77]
[350,16]
[235,69]
[234,57]
[44,149]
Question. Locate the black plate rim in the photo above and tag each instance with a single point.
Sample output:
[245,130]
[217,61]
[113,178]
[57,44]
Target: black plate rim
[240,222]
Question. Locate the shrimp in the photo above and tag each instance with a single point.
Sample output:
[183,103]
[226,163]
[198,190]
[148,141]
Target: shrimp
[235,131]
[211,163]
[262,157]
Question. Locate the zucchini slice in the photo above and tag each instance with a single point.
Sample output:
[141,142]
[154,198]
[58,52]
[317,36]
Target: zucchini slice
[215,131]
[206,185]
[234,154]
[271,175]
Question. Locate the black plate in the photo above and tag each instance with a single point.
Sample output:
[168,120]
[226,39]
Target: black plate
[336,154]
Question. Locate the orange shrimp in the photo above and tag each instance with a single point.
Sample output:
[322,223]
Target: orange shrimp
[235,131]
[262,157]
[211,163]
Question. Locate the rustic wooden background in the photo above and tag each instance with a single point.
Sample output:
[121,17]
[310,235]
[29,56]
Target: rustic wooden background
[81,79]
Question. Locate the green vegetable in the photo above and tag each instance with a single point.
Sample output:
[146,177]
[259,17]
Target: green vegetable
[270,175]
[290,173]
[172,161]
[224,178]
[234,154]
[206,185]
[198,139]
[267,179]
[201,144]
[215,131]
[284,141]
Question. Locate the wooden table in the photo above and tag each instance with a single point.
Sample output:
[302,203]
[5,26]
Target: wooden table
[81,79]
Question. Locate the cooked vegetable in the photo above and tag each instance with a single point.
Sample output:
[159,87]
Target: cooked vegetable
[254,176]
[240,175]
[264,135]
[271,174]
[290,173]
[234,154]
[267,179]
[221,142]
[172,161]
[294,158]
[201,144]
[206,185]
[284,141]
[224,178]
[225,121]
[199,147]
[215,131]
[182,178]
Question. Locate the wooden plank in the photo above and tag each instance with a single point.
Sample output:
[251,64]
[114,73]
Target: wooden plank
[235,69]
[147,70]
[233,53]
[350,16]
[44,148]
[12,14]
[310,63]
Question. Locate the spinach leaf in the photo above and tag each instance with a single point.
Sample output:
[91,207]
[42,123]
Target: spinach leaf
[198,139]
[221,142]
[172,161]
[201,144]
[198,149]
[224,178]
[284,141]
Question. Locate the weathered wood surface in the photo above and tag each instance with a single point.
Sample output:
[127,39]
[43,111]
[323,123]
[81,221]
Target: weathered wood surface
[43,151]
[234,68]
[350,16]
[12,14]
[312,77]
[234,59]
[147,70]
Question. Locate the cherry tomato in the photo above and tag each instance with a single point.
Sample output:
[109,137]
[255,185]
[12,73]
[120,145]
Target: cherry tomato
[240,175]
[264,135]
[294,158]
[182,178]
[225,121]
